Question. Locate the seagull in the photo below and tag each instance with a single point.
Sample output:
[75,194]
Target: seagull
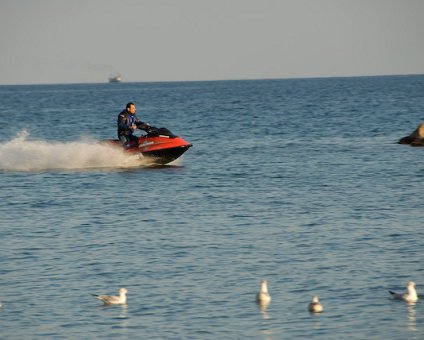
[113,300]
[409,296]
[263,296]
[315,306]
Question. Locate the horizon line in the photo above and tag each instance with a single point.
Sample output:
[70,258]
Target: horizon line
[215,80]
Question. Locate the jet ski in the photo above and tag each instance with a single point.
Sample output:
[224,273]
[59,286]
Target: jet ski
[160,146]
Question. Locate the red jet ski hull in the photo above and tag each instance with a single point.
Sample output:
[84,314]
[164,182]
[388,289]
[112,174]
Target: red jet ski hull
[159,149]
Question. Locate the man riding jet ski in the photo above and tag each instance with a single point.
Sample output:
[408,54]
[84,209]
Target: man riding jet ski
[127,124]
[160,145]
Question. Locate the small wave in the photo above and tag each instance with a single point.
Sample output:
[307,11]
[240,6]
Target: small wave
[21,154]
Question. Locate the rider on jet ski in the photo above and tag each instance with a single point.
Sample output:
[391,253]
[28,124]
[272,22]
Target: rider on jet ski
[127,124]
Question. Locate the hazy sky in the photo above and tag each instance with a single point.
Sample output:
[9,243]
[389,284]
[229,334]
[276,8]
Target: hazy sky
[78,41]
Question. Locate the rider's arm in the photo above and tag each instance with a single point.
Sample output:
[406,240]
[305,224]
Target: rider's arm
[142,125]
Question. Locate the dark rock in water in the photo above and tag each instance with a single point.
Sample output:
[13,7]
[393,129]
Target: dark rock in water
[416,138]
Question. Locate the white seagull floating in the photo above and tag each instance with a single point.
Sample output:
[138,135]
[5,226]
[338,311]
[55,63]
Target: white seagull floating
[409,296]
[263,296]
[113,300]
[315,306]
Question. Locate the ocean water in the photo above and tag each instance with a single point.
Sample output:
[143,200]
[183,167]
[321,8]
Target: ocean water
[298,181]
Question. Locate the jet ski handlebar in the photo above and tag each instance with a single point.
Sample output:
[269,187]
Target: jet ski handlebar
[153,131]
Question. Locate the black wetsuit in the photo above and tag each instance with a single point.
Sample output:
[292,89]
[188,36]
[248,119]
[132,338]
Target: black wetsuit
[125,133]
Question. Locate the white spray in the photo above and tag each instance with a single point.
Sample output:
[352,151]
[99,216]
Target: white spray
[21,154]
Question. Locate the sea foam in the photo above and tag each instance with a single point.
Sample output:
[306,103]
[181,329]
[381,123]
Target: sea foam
[22,154]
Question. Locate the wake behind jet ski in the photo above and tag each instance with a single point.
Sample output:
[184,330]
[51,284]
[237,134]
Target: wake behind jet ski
[160,145]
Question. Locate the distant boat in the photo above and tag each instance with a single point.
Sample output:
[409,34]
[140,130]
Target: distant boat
[116,79]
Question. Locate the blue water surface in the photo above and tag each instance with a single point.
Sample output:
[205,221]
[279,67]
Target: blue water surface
[297,181]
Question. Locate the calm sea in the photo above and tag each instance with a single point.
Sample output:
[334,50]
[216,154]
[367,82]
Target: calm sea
[299,182]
